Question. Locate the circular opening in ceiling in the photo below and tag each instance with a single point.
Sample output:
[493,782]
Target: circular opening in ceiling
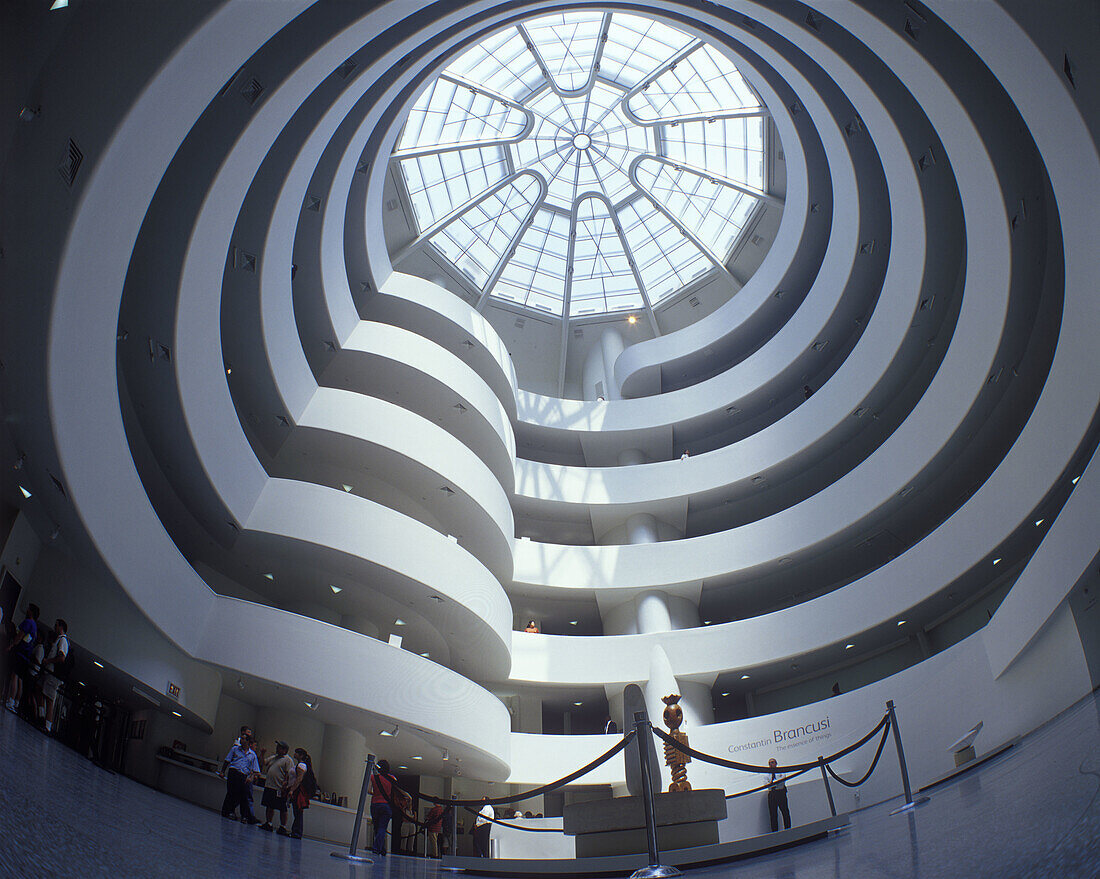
[584,162]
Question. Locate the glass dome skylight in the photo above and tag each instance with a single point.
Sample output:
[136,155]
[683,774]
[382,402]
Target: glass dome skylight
[584,162]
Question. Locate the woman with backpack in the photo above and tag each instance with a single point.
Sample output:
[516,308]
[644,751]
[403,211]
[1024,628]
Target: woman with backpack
[386,798]
[303,786]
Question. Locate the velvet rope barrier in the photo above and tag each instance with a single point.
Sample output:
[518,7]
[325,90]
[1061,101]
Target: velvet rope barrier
[748,767]
[542,789]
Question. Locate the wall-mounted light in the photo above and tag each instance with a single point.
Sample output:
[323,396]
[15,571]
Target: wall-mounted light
[849,646]
[390,733]
[26,493]
[996,561]
[269,576]
[744,677]
[1038,522]
[632,320]
[336,590]
[177,714]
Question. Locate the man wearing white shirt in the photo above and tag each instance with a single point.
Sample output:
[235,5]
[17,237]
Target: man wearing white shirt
[777,798]
[482,827]
[53,662]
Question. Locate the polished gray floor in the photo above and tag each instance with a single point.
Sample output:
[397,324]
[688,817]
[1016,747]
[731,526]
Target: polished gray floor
[1032,812]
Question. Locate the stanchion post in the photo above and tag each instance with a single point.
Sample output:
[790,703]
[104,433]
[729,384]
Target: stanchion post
[909,801]
[655,868]
[354,845]
[828,790]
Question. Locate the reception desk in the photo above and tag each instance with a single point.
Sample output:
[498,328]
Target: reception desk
[204,788]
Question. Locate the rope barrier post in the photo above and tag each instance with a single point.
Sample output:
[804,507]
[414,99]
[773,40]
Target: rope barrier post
[655,868]
[910,803]
[351,855]
[828,790]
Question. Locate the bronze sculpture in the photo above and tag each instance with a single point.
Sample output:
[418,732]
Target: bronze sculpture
[674,759]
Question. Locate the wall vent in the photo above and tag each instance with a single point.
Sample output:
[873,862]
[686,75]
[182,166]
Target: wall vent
[1067,69]
[393,204]
[252,91]
[694,301]
[578,333]
[70,163]
[520,323]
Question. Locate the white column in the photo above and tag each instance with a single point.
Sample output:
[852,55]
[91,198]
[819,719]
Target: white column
[341,762]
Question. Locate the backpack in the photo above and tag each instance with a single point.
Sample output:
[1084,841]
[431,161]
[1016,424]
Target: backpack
[61,670]
[310,782]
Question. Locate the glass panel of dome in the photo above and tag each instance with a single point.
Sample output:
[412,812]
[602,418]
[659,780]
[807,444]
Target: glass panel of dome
[477,239]
[715,213]
[451,112]
[602,279]
[567,43]
[440,182]
[637,46]
[535,276]
[665,258]
[703,84]
[501,63]
[731,148]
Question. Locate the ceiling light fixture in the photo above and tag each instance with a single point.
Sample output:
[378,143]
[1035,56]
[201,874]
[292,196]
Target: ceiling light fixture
[574,622]
[97,663]
[269,576]
[849,646]
[336,590]
[177,714]
[1074,480]
[996,561]
[399,622]
[417,757]
[390,733]
[26,493]
[1039,522]
[744,677]
[725,694]
[578,704]
[901,622]
[632,319]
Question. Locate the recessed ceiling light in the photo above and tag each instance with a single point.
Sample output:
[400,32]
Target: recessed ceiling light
[1074,480]
[725,694]
[425,655]
[402,767]
[269,576]
[312,706]
[59,4]
[706,622]
[346,487]
[229,370]
[744,677]
[901,622]
[996,561]
[399,622]
[417,757]
[849,646]
[632,319]
[97,663]
[336,590]
[573,622]
[578,704]
[1039,522]
[177,714]
[25,492]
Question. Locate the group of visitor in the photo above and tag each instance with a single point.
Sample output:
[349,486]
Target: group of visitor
[38,658]
[287,781]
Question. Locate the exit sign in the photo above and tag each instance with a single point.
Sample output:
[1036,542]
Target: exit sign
[173,690]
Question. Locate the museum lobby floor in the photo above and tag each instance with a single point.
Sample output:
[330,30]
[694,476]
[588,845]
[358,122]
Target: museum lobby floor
[1031,812]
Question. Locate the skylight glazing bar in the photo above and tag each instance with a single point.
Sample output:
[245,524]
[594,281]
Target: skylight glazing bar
[510,250]
[570,255]
[651,76]
[438,226]
[718,262]
[716,178]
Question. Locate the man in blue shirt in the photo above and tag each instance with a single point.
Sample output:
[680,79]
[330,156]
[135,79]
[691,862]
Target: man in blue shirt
[243,768]
[20,652]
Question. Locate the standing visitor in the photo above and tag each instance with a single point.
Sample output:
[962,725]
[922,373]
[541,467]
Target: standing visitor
[302,788]
[54,668]
[385,797]
[482,828]
[242,768]
[20,652]
[777,798]
[279,770]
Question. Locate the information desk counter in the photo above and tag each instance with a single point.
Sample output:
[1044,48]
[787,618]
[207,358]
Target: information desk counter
[204,788]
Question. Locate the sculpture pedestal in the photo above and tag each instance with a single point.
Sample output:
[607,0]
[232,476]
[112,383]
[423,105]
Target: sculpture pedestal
[684,819]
